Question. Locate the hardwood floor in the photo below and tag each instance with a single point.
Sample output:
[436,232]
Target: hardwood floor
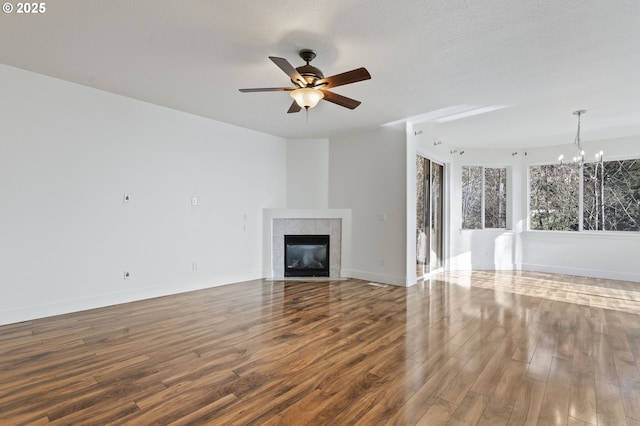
[464,348]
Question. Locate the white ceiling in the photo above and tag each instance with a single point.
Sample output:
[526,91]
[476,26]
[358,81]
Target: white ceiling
[532,62]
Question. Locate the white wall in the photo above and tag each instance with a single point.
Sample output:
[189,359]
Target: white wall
[598,254]
[487,249]
[68,153]
[419,145]
[601,255]
[308,173]
[367,173]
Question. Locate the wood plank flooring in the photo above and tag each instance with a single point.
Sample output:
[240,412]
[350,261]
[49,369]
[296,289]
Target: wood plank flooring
[464,348]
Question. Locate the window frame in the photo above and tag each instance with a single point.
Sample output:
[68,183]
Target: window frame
[507,197]
[581,229]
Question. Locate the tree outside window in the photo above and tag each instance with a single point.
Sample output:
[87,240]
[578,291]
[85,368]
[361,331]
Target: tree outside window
[610,196]
[554,198]
[484,197]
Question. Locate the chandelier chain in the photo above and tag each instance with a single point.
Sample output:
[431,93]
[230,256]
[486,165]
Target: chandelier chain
[577,140]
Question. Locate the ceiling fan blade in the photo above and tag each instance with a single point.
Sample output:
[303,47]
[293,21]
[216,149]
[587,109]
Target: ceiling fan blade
[340,100]
[268,89]
[288,69]
[348,77]
[294,108]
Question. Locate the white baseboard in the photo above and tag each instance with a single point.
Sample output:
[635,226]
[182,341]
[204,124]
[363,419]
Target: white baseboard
[484,267]
[379,278]
[582,272]
[27,313]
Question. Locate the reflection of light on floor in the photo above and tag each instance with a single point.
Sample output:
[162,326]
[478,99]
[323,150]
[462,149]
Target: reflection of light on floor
[621,296]
[461,279]
[549,343]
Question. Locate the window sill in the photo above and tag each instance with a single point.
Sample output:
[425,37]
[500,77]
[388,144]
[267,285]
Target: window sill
[583,234]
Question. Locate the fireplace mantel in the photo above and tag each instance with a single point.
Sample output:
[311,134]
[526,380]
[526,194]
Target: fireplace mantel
[305,221]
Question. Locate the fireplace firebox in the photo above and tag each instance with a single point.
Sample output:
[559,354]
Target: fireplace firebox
[306,255]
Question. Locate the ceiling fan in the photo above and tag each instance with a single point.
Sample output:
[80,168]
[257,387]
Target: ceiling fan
[310,85]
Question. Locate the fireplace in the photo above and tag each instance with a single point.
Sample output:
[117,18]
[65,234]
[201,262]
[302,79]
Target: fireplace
[280,222]
[306,255]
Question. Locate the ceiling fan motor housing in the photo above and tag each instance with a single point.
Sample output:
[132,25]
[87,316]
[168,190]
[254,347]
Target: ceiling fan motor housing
[310,73]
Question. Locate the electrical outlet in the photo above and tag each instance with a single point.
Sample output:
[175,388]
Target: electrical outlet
[194,266]
[194,201]
[126,275]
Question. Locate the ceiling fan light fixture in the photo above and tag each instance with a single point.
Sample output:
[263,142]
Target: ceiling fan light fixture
[307,97]
[310,85]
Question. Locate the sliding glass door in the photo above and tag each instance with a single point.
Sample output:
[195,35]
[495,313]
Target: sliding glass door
[430,229]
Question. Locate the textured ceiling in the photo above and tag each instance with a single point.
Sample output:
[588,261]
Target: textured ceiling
[521,66]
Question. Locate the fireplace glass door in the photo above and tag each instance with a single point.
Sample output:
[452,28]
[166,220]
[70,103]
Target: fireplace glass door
[306,255]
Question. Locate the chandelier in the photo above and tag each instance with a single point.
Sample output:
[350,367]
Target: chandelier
[578,159]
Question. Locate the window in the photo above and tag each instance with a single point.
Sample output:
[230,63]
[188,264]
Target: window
[603,196]
[471,197]
[484,197]
[611,196]
[554,198]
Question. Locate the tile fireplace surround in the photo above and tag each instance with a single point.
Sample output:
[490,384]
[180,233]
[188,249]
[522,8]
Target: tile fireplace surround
[280,222]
